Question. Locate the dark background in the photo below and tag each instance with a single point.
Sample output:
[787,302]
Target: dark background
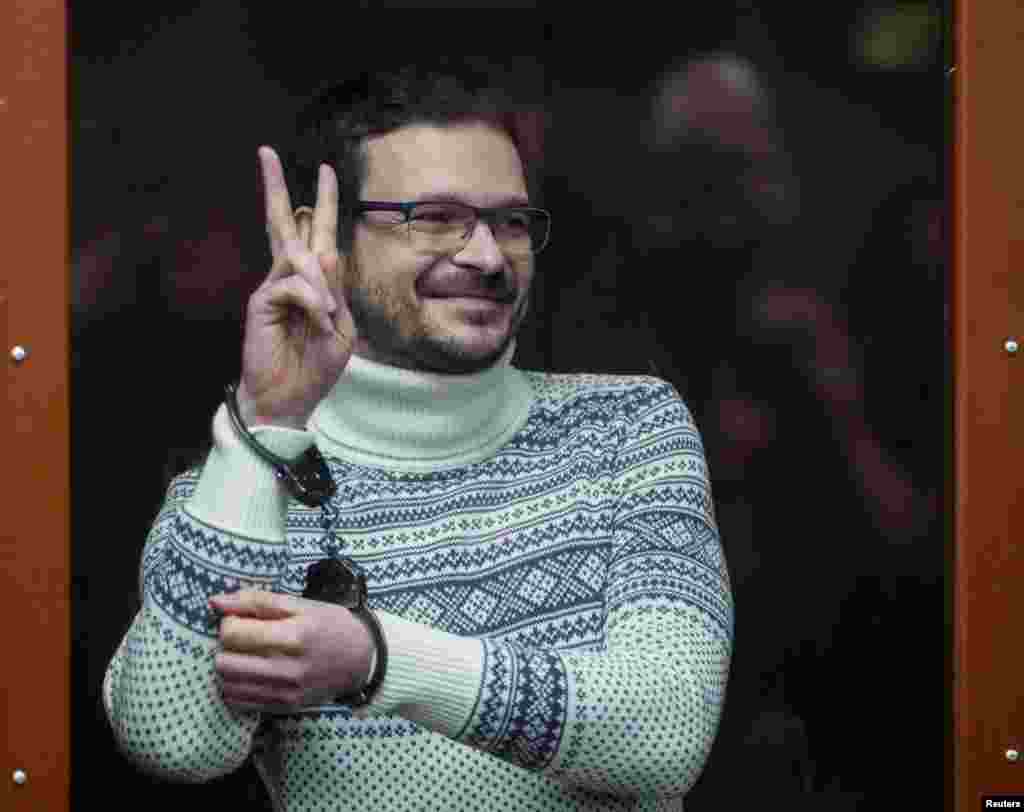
[748,201]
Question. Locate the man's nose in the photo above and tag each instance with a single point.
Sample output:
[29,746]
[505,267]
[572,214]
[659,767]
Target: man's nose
[481,250]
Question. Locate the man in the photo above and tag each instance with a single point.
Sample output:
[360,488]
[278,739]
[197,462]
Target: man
[549,621]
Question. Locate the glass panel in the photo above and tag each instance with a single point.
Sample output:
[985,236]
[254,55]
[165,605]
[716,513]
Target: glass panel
[750,206]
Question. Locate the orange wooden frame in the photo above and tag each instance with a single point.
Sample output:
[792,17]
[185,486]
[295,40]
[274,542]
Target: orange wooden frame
[987,299]
[34,413]
[988,309]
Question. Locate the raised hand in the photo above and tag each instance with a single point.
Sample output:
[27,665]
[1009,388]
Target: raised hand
[298,328]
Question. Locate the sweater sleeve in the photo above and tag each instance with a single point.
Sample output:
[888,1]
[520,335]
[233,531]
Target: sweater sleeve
[216,532]
[638,716]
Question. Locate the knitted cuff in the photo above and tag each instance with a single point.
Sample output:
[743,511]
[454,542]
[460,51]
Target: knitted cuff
[237,491]
[433,677]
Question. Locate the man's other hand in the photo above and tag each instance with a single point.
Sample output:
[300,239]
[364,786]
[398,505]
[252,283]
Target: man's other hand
[281,653]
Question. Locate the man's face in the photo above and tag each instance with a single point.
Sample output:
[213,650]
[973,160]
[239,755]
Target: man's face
[452,313]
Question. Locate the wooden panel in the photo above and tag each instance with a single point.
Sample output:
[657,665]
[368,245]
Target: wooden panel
[988,308]
[34,466]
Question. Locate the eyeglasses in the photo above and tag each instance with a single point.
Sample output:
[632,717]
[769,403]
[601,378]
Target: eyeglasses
[446,227]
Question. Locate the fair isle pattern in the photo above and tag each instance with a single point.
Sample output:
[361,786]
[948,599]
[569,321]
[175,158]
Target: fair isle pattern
[522,705]
[159,681]
[584,554]
[192,562]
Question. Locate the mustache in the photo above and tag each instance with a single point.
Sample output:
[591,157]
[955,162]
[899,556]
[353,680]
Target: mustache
[499,287]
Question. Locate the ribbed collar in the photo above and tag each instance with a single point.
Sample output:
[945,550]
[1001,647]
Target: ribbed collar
[419,421]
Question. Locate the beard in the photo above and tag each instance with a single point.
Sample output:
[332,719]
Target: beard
[395,328]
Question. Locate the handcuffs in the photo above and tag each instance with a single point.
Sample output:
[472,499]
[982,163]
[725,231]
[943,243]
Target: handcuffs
[332,579]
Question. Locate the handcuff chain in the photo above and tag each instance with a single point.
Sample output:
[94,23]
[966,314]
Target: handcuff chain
[329,523]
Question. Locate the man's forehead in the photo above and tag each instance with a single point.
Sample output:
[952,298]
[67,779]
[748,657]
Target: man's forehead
[469,159]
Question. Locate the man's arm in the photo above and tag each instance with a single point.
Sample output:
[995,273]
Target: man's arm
[160,690]
[638,717]
[226,530]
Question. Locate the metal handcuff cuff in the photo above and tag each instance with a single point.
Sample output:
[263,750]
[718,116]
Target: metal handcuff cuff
[332,579]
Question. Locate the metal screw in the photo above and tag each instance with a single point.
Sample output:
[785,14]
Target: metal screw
[19,777]
[1011,346]
[19,354]
[951,70]
[1012,755]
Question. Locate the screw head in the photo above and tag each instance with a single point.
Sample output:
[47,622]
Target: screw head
[1012,755]
[19,777]
[19,354]
[1011,346]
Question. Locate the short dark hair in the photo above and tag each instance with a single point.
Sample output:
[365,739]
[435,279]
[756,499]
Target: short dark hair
[333,126]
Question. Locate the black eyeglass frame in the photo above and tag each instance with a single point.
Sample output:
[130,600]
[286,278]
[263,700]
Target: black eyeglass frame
[488,215]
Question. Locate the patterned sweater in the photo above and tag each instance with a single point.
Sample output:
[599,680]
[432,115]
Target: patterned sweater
[542,554]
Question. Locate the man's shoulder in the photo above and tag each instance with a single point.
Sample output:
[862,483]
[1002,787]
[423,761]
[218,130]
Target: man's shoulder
[569,389]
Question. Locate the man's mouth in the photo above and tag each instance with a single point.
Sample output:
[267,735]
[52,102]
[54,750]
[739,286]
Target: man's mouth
[470,289]
[505,298]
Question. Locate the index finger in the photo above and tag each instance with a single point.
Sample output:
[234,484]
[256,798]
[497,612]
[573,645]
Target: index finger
[280,220]
[255,603]
[325,216]
[244,635]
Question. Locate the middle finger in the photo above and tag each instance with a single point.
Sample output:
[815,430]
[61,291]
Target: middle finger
[243,635]
[325,218]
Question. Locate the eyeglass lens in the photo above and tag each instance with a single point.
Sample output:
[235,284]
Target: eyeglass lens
[448,225]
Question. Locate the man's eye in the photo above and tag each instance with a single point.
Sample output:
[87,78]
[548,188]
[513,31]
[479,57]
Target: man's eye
[434,216]
[438,215]
[517,221]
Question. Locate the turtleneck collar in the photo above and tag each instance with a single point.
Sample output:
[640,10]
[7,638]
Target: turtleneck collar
[420,421]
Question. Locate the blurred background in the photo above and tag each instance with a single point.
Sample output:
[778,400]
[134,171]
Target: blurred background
[749,201]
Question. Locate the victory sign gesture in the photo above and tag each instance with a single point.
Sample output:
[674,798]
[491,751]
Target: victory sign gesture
[298,327]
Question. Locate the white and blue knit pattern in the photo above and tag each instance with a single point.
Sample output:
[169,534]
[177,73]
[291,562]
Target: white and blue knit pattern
[584,555]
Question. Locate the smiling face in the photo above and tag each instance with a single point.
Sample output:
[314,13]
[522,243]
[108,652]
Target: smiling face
[451,313]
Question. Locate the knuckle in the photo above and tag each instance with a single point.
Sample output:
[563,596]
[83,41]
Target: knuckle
[290,288]
[293,641]
[259,598]
[296,676]
[296,250]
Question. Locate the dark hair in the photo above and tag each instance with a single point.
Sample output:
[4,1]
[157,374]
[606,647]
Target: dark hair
[333,125]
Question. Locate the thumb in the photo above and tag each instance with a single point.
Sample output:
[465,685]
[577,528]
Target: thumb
[255,603]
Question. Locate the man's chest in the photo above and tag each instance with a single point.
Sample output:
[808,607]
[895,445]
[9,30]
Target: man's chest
[521,557]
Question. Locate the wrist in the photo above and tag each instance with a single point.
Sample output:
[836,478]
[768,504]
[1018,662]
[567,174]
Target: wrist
[342,582]
[365,691]
[368,662]
[237,490]
[252,415]
[308,479]
[378,660]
